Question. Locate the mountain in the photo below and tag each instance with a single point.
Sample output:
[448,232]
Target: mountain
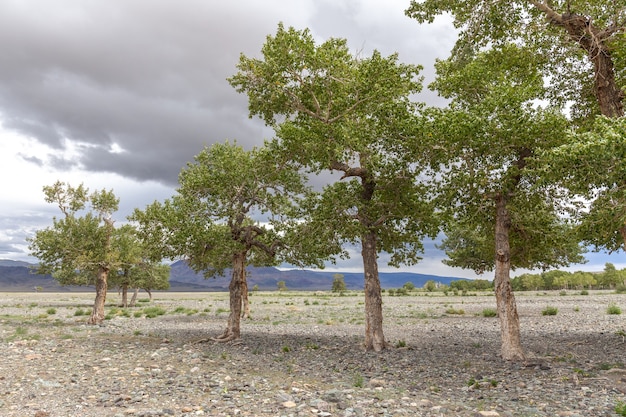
[19,276]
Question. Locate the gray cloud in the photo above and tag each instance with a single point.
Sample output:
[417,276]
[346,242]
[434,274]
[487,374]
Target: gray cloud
[139,86]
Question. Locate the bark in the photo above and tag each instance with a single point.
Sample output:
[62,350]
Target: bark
[511,349]
[235,288]
[133,300]
[97,315]
[124,296]
[374,337]
[245,312]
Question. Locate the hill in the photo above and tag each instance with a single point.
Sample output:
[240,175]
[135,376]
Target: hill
[19,277]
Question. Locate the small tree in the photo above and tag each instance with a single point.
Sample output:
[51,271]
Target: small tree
[281,286]
[409,286]
[430,285]
[210,223]
[339,284]
[80,250]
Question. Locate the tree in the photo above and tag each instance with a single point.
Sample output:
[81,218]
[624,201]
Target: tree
[339,284]
[232,209]
[583,39]
[80,250]
[430,285]
[489,133]
[352,115]
[137,271]
[281,286]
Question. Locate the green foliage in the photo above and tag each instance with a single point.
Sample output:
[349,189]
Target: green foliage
[613,309]
[334,111]
[152,312]
[542,27]
[409,286]
[490,131]
[620,408]
[339,284]
[489,312]
[549,311]
[209,220]
[281,286]
[430,285]
[51,311]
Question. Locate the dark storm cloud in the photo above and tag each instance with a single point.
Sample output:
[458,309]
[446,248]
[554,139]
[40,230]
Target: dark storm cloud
[138,87]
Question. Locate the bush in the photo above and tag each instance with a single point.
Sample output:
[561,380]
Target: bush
[152,312]
[584,292]
[489,312]
[613,309]
[549,311]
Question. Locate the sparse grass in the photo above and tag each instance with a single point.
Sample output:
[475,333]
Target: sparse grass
[620,408]
[358,381]
[51,311]
[80,312]
[549,311]
[452,310]
[489,312]
[400,344]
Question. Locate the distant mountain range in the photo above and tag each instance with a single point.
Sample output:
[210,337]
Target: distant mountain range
[19,276]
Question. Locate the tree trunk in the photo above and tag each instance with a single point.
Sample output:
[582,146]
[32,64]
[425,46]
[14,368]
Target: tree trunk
[133,300]
[235,288]
[505,300]
[245,312]
[97,315]
[583,31]
[374,338]
[124,295]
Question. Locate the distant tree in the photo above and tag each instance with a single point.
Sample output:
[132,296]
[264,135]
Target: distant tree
[610,277]
[409,286]
[430,285]
[281,286]
[335,111]
[339,284]
[137,271]
[532,282]
[215,219]
[80,250]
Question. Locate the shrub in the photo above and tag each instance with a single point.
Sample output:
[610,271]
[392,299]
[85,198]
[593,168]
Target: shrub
[80,312]
[51,311]
[452,310]
[613,309]
[152,312]
[489,312]
[549,311]
[584,292]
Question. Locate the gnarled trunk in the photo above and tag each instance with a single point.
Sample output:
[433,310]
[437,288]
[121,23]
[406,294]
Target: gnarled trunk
[235,288]
[511,349]
[374,337]
[97,315]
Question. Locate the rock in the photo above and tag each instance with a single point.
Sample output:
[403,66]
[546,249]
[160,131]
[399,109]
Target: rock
[289,404]
[489,413]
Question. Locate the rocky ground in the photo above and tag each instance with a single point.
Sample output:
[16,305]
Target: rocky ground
[301,355]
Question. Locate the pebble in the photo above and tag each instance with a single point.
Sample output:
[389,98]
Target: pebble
[154,368]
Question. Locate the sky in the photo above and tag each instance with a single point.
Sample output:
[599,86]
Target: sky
[122,94]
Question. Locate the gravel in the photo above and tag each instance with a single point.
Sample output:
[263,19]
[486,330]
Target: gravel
[301,355]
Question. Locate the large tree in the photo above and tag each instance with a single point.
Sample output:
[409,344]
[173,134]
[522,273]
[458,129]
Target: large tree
[583,39]
[233,208]
[335,111]
[80,249]
[488,135]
